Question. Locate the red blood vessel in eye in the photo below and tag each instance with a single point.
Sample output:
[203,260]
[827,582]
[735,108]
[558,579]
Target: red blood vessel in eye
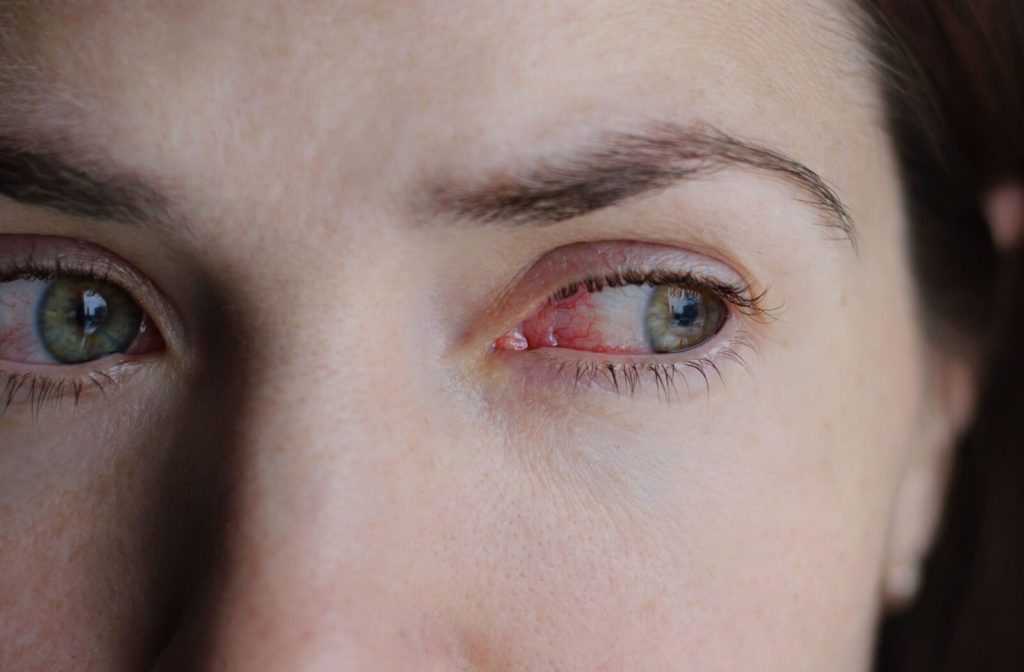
[148,341]
[577,323]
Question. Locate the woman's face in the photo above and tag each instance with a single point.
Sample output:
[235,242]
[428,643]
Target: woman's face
[495,336]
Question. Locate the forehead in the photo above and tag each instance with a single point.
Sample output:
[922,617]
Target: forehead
[369,92]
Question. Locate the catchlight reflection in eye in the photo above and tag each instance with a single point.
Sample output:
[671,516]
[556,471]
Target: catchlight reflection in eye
[626,319]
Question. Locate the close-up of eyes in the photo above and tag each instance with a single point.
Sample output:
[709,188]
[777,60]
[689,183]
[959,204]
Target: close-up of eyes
[62,314]
[630,314]
[623,325]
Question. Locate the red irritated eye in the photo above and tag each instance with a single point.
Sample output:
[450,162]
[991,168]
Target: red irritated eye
[642,318]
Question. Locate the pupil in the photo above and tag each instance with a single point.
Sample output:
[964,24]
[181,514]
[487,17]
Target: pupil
[91,312]
[685,312]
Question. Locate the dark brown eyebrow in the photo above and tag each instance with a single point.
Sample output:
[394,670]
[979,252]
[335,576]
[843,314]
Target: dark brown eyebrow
[618,167]
[621,166]
[40,177]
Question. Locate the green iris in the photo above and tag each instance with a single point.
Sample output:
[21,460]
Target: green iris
[679,317]
[81,319]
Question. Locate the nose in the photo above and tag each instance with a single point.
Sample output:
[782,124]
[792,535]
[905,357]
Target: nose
[333,548]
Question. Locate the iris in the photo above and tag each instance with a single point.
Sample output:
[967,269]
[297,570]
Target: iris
[81,319]
[679,317]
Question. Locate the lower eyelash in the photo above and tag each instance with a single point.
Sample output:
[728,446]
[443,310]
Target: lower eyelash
[629,377]
[42,391]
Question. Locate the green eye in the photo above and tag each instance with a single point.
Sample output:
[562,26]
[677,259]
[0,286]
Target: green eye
[81,319]
[679,318]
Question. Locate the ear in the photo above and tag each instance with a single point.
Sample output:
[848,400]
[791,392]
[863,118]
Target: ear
[922,489]
[921,493]
[1004,208]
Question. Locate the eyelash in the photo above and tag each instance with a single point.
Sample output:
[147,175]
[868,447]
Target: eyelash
[29,269]
[628,376]
[736,295]
[42,388]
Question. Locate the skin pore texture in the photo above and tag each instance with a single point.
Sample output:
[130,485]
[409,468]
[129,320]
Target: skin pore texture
[330,466]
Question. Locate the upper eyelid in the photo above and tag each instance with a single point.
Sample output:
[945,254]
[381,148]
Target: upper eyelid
[750,303]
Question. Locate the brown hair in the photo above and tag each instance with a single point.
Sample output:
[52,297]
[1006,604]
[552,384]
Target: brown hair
[952,73]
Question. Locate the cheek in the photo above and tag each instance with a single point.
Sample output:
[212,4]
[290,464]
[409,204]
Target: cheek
[87,548]
[763,512]
[816,453]
[711,530]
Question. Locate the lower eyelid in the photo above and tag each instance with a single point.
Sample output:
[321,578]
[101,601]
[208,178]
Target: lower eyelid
[41,388]
[675,377]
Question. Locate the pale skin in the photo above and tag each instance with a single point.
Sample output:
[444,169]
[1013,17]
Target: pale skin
[332,467]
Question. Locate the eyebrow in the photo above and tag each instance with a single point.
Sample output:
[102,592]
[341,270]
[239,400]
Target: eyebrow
[619,167]
[41,177]
[622,166]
